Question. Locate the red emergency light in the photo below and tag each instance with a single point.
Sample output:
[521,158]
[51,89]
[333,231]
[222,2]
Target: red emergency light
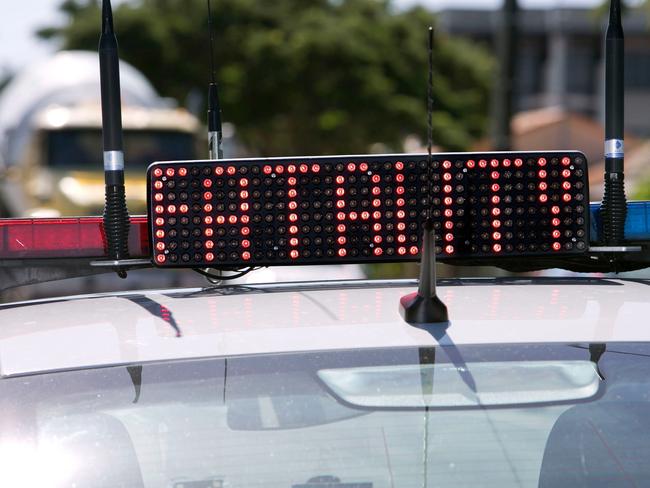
[356,209]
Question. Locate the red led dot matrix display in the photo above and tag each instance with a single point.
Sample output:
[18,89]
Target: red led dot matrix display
[355,209]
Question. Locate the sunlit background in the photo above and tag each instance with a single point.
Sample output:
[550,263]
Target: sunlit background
[298,77]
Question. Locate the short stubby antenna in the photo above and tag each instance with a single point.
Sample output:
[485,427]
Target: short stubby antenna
[116,214]
[424,307]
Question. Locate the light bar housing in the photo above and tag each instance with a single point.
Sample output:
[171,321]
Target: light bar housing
[364,209]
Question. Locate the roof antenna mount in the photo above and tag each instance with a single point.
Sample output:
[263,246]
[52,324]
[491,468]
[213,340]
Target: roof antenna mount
[424,307]
[614,205]
[116,214]
[215,133]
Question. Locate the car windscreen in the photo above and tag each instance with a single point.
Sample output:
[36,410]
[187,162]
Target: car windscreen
[82,148]
[517,415]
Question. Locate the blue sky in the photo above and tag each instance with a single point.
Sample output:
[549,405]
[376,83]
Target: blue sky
[20,18]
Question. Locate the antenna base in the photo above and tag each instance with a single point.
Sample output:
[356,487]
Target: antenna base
[416,309]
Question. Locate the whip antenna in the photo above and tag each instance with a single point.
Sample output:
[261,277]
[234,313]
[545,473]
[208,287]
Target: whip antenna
[424,307]
[215,134]
[614,205]
[116,214]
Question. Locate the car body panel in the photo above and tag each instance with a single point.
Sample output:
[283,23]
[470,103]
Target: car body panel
[103,330]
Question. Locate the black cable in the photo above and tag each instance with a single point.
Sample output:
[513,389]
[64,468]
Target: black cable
[213,276]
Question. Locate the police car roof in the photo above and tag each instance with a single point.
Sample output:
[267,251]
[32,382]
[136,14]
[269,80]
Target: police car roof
[102,330]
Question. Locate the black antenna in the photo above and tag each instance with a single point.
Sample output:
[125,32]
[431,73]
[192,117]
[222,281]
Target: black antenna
[614,205]
[215,134]
[116,214]
[424,307]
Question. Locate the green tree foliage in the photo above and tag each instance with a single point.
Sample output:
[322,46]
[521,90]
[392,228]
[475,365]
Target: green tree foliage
[301,76]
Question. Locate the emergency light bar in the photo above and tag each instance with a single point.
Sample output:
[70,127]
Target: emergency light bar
[363,209]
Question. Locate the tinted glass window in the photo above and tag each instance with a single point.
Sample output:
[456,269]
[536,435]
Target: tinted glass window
[82,148]
[279,420]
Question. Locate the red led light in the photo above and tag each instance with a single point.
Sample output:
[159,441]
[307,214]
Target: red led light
[494,175]
[449,212]
[448,200]
[209,256]
[160,233]
[293,217]
[495,187]
[496,211]
[447,189]
[159,209]
[471,164]
[399,190]
[267,170]
[401,226]
[542,173]
[171,209]
[291,169]
[353,216]
[566,197]
[207,183]
[365,215]
[340,228]
[399,178]
[340,203]
[401,202]
[244,207]
[377,239]
[221,220]
[449,225]
[401,251]
[160,258]
[566,161]
[294,241]
[566,173]
[245,230]
[232,219]
[496,236]
[245,255]
[566,185]
[494,163]
[446,164]
[376,190]
[231,170]
[184,208]
[376,227]
[401,214]
[557,246]
[376,202]
[496,248]
[352,167]
[292,193]
[207,207]
[375,179]
[158,197]
[243,182]
[378,251]
[160,221]
[556,234]
[209,232]
[157,172]
[506,163]
[316,168]
[218,170]
[243,194]
[341,240]
[399,166]
[363,166]
[543,186]
[446,176]
[342,252]
[245,219]
[414,250]
[543,198]
[304,168]
[482,163]
[448,237]
[292,205]
[207,195]
[555,222]
[340,216]
[293,229]
[519,162]
[496,199]
[158,185]
[292,181]
[376,215]
[209,244]
[279,169]
[294,254]
[182,171]
[496,224]
[541,161]
[449,249]
[340,180]
[170,172]
[207,219]
[555,209]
